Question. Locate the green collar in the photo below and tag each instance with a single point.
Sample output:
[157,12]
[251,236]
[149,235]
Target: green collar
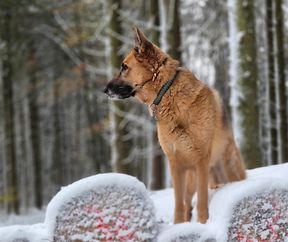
[165,88]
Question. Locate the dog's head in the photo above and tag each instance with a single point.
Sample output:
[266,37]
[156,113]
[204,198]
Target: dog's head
[138,70]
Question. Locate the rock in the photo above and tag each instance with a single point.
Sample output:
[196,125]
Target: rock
[260,217]
[255,209]
[107,207]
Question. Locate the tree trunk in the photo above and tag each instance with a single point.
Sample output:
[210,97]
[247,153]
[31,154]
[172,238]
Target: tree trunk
[172,8]
[248,106]
[158,166]
[280,60]
[119,146]
[57,169]
[92,116]
[8,112]
[221,79]
[271,81]
[34,129]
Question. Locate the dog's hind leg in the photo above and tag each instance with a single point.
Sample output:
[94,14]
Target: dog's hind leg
[217,176]
[190,187]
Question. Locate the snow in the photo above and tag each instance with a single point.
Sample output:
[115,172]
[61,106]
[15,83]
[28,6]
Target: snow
[32,216]
[240,211]
[244,198]
[164,214]
[187,232]
[103,207]
[231,194]
[90,183]
[233,40]
[24,233]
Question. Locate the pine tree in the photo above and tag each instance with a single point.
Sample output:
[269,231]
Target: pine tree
[34,127]
[271,81]
[280,60]
[7,36]
[158,166]
[119,146]
[173,21]
[248,106]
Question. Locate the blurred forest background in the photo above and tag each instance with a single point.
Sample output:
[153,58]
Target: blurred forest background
[56,125]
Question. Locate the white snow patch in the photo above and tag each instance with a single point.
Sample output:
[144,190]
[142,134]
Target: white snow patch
[233,40]
[186,231]
[24,233]
[32,216]
[223,201]
[164,202]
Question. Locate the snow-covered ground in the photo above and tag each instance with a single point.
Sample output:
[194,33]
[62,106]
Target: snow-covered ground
[32,216]
[261,199]
[222,202]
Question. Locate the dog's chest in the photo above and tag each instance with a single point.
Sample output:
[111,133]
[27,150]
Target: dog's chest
[175,140]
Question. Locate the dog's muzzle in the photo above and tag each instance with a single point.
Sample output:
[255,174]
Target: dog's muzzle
[118,89]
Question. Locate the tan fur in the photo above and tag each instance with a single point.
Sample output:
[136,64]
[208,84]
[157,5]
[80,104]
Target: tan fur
[192,128]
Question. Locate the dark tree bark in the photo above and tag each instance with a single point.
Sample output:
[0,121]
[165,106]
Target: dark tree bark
[34,128]
[158,166]
[271,81]
[173,28]
[280,60]
[248,106]
[120,147]
[92,114]
[57,169]
[221,78]
[6,35]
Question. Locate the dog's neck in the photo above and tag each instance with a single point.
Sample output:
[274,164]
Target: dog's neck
[166,108]
[151,89]
[160,76]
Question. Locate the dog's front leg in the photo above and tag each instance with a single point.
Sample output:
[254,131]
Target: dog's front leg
[190,187]
[178,177]
[202,191]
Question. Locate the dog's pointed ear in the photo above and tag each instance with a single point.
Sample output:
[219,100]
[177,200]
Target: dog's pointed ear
[142,44]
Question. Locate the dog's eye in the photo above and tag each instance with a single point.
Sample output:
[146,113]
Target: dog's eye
[136,49]
[124,67]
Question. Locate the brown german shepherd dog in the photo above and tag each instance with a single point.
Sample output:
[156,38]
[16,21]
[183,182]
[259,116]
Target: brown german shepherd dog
[192,127]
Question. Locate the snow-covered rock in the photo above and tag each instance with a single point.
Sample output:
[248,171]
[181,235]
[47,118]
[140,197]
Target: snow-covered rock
[116,207]
[261,217]
[255,209]
[105,207]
